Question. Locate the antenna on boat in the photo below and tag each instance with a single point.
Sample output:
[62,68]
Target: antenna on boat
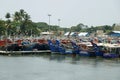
[69,33]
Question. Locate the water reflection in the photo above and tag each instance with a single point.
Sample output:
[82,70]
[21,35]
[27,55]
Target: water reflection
[59,58]
[77,60]
[58,67]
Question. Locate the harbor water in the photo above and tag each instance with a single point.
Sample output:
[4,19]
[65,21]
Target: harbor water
[58,67]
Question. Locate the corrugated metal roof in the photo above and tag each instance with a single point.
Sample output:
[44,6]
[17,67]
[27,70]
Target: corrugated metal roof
[83,34]
[116,32]
[46,33]
[67,33]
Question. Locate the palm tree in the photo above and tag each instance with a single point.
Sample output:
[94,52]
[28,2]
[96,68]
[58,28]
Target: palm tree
[8,22]
[22,19]
[22,14]
[7,15]
[16,17]
[26,17]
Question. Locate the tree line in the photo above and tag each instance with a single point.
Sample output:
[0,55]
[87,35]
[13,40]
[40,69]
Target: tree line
[20,23]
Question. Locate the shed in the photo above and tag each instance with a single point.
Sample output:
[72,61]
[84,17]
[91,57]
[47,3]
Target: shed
[83,34]
[46,33]
[114,34]
[67,33]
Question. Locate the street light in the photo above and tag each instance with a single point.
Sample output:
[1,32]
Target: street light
[59,26]
[49,15]
[49,23]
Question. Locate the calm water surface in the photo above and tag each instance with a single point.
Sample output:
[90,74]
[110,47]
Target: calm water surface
[58,67]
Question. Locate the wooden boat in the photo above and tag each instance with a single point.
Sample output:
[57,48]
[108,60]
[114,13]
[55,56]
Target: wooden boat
[23,46]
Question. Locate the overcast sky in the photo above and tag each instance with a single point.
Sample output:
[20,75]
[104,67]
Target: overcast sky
[71,12]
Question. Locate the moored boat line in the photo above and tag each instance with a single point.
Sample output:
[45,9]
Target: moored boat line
[60,46]
[89,48]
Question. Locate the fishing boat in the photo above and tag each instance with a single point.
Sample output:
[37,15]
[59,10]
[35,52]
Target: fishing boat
[21,46]
[71,47]
[106,50]
[62,47]
[112,51]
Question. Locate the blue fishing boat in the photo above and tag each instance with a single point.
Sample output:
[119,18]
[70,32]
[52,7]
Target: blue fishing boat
[109,51]
[113,51]
[58,47]
[96,50]
[110,55]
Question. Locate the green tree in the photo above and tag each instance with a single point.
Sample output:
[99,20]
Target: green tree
[116,27]
[8,23]
[22,20]
[2,27]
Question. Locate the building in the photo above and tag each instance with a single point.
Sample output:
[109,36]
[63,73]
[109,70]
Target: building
[84,34]
[114,34]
